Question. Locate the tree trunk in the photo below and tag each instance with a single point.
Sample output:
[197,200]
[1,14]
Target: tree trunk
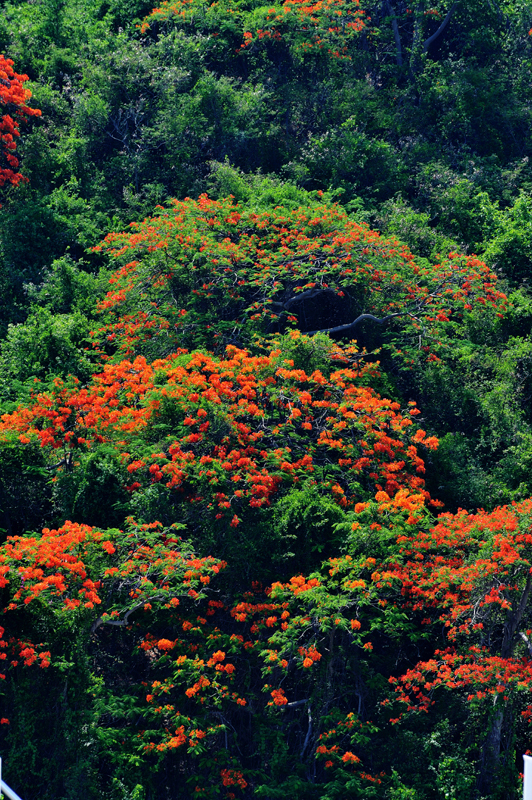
[491,752]
[395,27]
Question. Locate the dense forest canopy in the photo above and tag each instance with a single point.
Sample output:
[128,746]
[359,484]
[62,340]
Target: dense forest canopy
[265,399]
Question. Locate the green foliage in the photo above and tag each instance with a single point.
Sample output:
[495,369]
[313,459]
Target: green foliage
[347,158]
[24,488]
[397,217]
[305,520]
[46,344]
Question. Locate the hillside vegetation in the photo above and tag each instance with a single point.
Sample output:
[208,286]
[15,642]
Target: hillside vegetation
[265,399]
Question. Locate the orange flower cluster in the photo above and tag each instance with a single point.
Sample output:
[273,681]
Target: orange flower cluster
[469,573]
[309,656]
[233,777]
[282,425]
[14,97]
[348,729]
[279,697]
[76,569]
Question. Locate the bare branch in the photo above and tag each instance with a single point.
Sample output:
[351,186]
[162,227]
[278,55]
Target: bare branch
[427,43]
[307,295]
[66,461]
[121,623]
[396,36]
[526,640]
[514,620]
[350,325]
[296,703]
[309,732]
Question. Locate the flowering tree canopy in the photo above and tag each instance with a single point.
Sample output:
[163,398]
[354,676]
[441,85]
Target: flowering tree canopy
[258,271]
[273,533]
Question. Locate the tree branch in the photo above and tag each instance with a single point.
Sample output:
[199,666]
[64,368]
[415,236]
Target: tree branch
[350,325]
[121,623]
[306,295]
[309,732]
[295,703]
[66,461]
[427,43]
[526,640]
[515,618]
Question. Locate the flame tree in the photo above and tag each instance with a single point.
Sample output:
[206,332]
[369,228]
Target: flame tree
[275,598]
